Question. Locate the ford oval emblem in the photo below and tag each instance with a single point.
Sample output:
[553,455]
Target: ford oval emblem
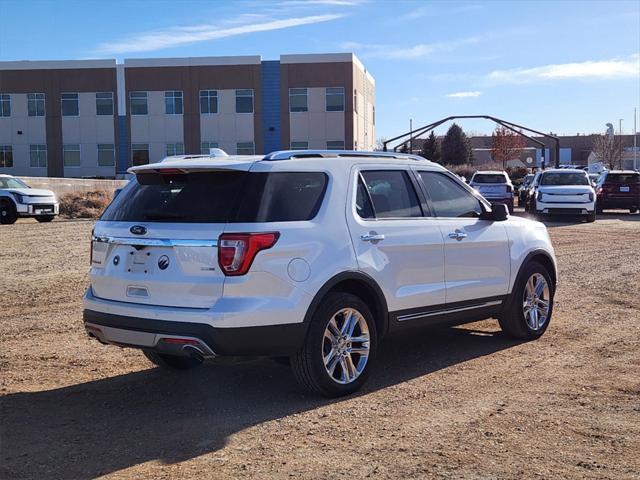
[138,230]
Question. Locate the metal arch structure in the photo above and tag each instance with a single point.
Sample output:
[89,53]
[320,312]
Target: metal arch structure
[514,127]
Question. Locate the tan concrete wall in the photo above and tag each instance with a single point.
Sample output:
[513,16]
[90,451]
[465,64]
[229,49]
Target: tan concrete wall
[363,116]
[227,127]
[61,186]
[316,126]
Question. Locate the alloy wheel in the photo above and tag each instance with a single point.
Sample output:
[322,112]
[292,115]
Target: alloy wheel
[345,346]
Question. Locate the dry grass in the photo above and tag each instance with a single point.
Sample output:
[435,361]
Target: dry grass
[84,204]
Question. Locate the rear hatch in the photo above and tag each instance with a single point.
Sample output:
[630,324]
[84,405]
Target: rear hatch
[565,194]
[156,243]
[621,186]
[491,185]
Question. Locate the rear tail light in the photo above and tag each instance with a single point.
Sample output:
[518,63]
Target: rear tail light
[509,189]
[91,248]
[236,251]
[600,191]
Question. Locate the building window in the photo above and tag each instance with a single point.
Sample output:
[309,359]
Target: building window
[138,103]
[175,149]
[106,155]
[298,100]
[335,144]
[335,99]
[173,103]
[69,105]
[208,101]
[6,156]
[245,148]
[139,154]
[205,146]
[299,145]
[38,156]
[71,155]
[5,105]
[244,101]
[104,103]
[35,104]
[355,101]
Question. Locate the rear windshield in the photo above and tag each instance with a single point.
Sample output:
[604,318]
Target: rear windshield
[219,197]
[489,178]
[552,178]
[626,178]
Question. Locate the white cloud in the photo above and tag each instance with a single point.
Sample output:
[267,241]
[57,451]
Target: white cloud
[473,94]
[420,50]
[615,68]
[179,36]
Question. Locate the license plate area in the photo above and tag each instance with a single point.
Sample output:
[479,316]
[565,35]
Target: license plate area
[624,189]
[139,261]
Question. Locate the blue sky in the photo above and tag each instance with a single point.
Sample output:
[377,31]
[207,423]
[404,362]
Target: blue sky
[565,67]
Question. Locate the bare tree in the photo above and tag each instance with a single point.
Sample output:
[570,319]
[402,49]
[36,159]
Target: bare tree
[506,145]
[608,150]
[380,144]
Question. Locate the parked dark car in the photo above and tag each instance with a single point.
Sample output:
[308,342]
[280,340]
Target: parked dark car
[618,189]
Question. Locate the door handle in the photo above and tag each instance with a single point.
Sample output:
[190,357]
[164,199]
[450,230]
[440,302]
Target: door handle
[372,237]
[458,235]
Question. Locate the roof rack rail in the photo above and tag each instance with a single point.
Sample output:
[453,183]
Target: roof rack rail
[291,154]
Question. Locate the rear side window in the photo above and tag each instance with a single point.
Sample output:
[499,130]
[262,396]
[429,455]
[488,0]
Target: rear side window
[392,194]
[489,178]
[281,197]
[623,178]
[197,197]
[448,199]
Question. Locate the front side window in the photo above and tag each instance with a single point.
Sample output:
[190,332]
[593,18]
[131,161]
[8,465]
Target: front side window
[37,156]
[299,145]
[555,178]
[335,145]
[298,100]
[6,156]
[173,103]
[35,104]
[138,103]
[106,155]
[104,103]
[335,99]
[139,154]
[71,155]
[448,198]
[245,148]
[175,149]
[208,101]
[392,194]
[207,146]
[5,105]
[244,101]
[69,105]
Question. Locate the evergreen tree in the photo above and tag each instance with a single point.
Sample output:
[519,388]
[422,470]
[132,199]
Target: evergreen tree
[456,147]
[431,148]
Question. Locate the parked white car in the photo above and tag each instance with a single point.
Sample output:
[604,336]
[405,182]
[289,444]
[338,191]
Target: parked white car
[495,186]
[311,255]
[17,199]
[565,192]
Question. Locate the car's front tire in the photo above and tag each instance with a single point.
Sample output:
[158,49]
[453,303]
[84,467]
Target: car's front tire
[172,361]
[45,218]
[528,311]
[339,349]
[8,213]
[591,217]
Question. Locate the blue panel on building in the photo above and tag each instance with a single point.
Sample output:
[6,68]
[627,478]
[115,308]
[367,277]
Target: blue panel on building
[565,156]
[271,106]
[123,145]
[547,157]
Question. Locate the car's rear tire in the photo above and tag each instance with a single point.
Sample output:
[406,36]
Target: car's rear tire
[45,218]
[591,217]
[339,349]
[528,310]
[172,361]
[8,213]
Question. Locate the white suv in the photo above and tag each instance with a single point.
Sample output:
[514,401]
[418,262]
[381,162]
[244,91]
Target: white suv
[17,199]
[311,255]
[564,191]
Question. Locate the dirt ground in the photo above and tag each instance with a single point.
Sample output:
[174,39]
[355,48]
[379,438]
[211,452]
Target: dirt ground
[455,403]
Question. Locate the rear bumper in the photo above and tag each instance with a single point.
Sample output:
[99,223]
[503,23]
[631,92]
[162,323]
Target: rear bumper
[565,208]
[624,202]
[145,333]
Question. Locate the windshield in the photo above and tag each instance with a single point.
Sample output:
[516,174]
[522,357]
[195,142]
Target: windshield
[489,178]
[557,178]
[12,182]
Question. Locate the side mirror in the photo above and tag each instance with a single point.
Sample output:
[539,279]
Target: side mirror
[116,192]
[498,213]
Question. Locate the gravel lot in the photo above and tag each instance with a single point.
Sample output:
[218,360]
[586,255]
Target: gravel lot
[454,403]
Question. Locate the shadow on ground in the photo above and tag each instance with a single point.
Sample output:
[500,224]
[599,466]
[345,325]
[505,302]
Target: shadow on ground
[103,426]
[552,221]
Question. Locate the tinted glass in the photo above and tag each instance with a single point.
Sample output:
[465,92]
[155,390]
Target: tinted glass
[556,178]
[392,194]
[69,105]
[363,203]
[281,197]
[489,178]
[11,182]
[244,101]
[138,103]
[298,99]
[623,178]
[104,103]
[334,99]
[448,198]
[202,197]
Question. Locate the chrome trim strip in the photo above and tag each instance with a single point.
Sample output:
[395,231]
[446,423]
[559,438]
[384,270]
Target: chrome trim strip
[414,316]
[156,242]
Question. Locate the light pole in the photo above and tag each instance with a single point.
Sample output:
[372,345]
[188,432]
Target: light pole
[620,126]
